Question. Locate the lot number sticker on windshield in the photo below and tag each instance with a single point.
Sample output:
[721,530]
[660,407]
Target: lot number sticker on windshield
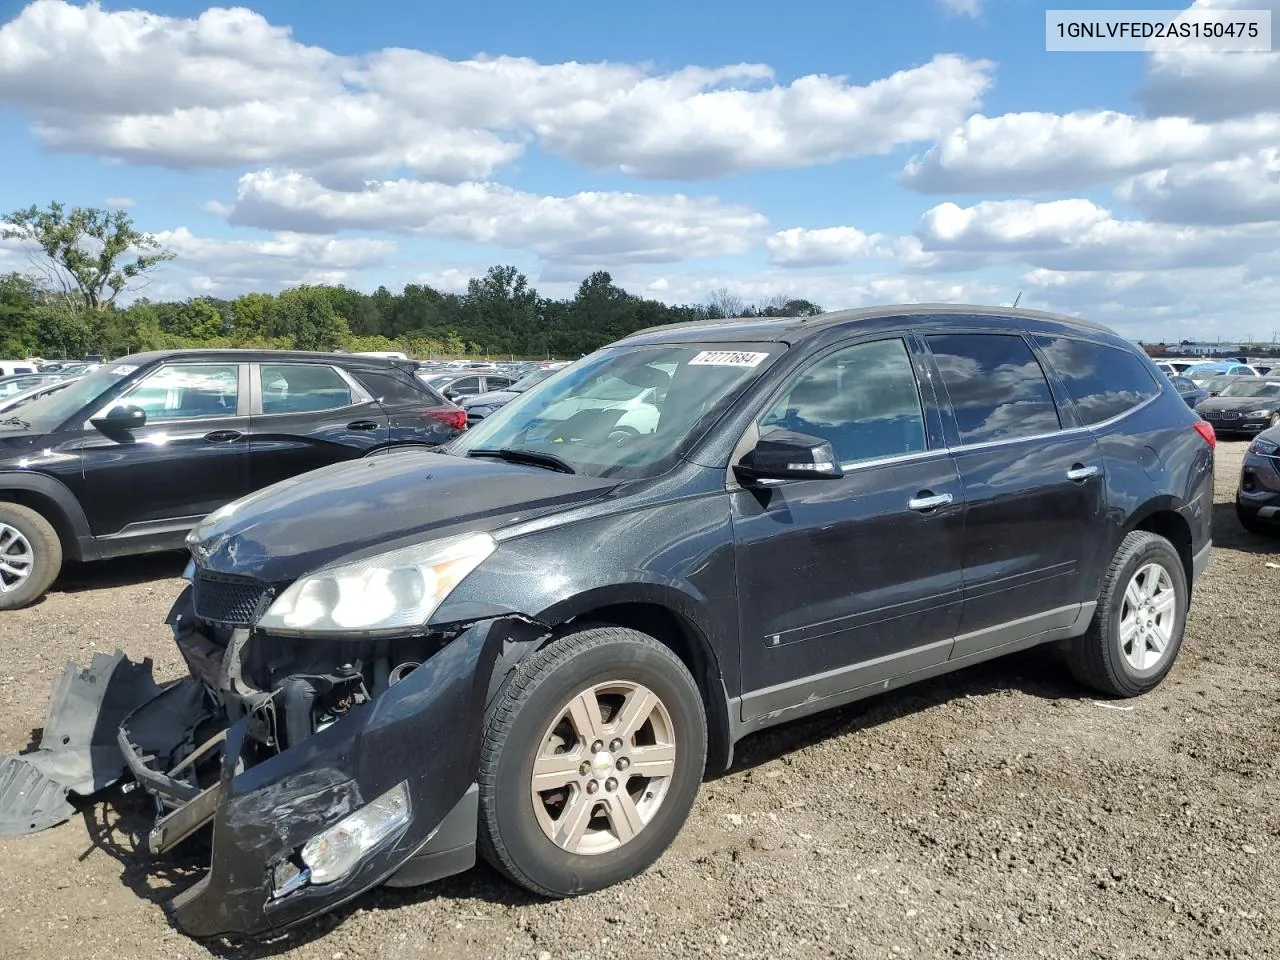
[124,369]
[727,358]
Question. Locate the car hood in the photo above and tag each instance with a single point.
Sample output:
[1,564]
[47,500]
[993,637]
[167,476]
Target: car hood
[1242,404]
[293,527]
[490,399]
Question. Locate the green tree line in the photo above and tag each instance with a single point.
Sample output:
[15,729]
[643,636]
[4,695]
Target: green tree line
[68,307]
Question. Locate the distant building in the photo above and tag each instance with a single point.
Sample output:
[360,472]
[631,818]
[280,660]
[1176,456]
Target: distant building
[1193,348]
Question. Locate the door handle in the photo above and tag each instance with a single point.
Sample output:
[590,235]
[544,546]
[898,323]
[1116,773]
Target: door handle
[1081,472]
[926,501]
[362,425]
[223,436]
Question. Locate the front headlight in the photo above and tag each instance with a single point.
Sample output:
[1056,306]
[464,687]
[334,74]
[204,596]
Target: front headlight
[1257,414]
[391,591]
[1264,447]
[333,854]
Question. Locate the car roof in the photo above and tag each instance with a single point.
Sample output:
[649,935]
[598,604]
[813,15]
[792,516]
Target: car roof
[794,329]
[262,356]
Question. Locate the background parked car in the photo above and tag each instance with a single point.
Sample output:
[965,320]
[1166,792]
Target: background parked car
[1248,405]
[456,385]
[1201,372]
[11,368]
[132,456]
[1258,496]
[483,404]
[14,401]
[25,381]
[1189,390]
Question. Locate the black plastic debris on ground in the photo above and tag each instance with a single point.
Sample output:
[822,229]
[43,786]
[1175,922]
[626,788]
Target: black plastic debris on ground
[78,752]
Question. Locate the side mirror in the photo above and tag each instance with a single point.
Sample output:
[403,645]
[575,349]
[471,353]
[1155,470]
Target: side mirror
[121,419]
[784,455]
[452,395]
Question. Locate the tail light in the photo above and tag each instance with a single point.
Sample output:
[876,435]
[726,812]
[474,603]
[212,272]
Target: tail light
[1205,430]
[457,419]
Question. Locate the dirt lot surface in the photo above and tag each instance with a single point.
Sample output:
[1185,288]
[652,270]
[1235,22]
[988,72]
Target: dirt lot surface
[1000,812]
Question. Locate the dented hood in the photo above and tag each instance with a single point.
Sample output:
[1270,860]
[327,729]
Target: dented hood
[293,527]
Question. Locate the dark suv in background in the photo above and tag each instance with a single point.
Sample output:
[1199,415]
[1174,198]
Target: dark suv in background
[129,458]
[533,643]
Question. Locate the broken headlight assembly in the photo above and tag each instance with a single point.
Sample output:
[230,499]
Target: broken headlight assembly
[387,593]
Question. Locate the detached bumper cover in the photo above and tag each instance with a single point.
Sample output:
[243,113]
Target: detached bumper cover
[426,729]
[77,752]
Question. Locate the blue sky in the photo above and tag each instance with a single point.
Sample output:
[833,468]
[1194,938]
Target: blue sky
[875,152]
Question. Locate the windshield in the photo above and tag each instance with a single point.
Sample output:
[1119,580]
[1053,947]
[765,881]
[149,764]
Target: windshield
[54,409]
[1246,388]
[626,412]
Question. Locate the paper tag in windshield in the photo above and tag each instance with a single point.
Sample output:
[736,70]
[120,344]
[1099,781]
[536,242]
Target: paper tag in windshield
[727,358]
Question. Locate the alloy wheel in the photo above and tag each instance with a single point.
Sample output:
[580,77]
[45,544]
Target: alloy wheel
[16,558]
[603,767]
[1148,617]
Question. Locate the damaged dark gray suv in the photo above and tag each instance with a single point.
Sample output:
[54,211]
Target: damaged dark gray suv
[533,644]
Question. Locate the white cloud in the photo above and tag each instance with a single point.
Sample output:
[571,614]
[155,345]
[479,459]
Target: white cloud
[215,265]
[836,290]
[962,8]
[1229,302]
[120,203]
[1214,86]
[1074,234]
[1245,189]
[1033,152]
[230,89]
[585,228]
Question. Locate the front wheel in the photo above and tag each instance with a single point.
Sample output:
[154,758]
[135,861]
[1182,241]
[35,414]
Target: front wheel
[592,758]
[1137,628]
[30,556]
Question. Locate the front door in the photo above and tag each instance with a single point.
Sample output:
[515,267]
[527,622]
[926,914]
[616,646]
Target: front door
[1034,490]
[190,458]
[309,415]
[847,582]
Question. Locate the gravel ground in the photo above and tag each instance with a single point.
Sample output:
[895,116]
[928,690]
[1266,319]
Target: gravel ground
[999,812]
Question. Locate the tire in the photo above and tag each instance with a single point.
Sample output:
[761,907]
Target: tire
[1098,658]
[1260,528]
[516,824]
[21,525]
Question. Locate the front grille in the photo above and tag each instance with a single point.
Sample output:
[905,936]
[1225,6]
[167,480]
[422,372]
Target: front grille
[1229,415]
[220,598]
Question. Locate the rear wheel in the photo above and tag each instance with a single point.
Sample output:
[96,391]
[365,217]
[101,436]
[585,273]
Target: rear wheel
[592,758]
[30,555]
[1137,627]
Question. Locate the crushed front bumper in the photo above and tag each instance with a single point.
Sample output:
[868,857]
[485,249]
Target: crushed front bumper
[425,730]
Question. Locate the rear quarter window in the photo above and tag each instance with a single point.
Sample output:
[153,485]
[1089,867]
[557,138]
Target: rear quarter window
[1102,381]
[393,388]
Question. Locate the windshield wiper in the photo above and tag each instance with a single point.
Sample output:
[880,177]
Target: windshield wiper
[517,455]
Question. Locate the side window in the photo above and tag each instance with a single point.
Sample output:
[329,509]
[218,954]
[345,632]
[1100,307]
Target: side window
[465,386]
[863,400]
[1102,381]
[996,386]
[186,391]
[1182,383]
[302,388]
[397,388]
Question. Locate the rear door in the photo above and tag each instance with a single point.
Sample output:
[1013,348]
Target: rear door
[308,415]
[190,458]
[1033,489]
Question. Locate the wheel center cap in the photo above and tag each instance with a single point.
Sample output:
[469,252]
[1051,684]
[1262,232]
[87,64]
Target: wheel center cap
[602,763]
